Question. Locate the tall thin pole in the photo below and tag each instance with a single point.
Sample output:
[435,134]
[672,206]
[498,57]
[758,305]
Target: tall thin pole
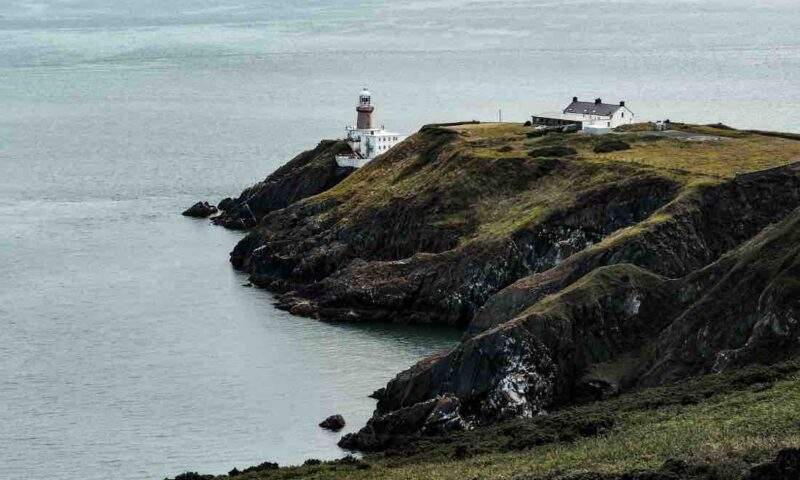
[500,115]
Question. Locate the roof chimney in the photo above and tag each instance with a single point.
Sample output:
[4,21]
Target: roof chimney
[622,103]
[574,99]
[597,101]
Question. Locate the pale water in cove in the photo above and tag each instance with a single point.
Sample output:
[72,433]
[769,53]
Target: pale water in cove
[128,346]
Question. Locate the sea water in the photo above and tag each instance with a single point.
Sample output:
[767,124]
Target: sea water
[128,346]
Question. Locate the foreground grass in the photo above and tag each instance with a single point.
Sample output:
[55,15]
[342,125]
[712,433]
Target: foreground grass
[743,425]
[758,413]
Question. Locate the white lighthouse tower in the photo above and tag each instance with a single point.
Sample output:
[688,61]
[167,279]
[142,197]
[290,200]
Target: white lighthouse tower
[366,142]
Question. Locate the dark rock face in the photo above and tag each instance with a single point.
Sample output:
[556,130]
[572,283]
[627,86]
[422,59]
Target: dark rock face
[226,204]
[699,227]
[334,422]
[747,314]
[200,210]
[588,339]
[433,417]
[523,367]
[307,174]
[378,394]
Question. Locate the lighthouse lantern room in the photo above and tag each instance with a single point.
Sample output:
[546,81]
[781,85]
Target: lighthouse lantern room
[364,109]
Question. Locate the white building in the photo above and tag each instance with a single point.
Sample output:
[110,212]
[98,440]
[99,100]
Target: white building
[366,142]
[591,117]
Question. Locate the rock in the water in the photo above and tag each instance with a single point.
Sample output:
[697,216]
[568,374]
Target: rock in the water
[200,210]
[334,422]
[193,476]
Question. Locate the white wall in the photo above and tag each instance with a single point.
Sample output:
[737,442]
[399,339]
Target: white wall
[623,116]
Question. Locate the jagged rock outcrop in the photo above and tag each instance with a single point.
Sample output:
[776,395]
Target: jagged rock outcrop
[200,210]
[308,174]
[226,204]
[540,359]
[433,417]
[334,422]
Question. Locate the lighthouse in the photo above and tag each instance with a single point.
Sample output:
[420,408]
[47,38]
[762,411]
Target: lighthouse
[364,109]
[366,142]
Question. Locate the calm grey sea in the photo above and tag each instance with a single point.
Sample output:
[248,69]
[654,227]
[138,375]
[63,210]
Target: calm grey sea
[128,347]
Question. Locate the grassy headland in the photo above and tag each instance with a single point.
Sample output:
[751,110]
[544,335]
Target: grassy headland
[586,267]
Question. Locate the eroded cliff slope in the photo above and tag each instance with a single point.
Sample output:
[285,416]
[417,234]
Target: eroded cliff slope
[307,174]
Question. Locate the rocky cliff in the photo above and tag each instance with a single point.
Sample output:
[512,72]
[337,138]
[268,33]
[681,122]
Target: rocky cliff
[617,328]
[307,174]
[578,271]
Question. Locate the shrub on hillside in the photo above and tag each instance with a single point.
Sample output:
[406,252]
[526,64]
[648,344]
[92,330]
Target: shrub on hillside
[607,146]
[553,151]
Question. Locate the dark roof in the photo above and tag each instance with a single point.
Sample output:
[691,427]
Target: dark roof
[591,108]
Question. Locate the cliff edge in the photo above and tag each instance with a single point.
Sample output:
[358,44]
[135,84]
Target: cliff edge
[307,174]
